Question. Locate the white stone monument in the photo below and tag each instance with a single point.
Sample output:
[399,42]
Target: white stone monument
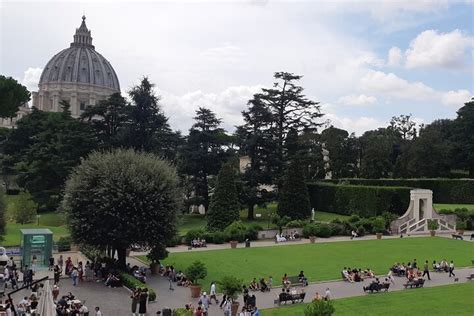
[420,210]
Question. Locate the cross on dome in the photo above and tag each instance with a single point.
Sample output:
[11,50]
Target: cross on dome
[83,35]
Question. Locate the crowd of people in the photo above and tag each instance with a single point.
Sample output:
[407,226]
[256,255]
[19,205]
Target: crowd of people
[356,275]
[288,236]
[198,243]
[262,285]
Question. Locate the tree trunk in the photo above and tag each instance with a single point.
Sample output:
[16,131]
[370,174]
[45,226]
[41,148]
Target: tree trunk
[122,255]
[250,212]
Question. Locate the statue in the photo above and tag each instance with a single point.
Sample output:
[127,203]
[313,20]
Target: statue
[312,214]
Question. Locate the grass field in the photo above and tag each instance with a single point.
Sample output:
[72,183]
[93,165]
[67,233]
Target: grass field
[442,300]
[453,206]
[322,261]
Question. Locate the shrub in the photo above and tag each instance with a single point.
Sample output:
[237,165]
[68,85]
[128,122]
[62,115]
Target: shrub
[182,312]
[64,244]
[173,242]
[194,234]
[360,230]
[337,229]
[231,286]
[132,283]
[296,223]
[251,233]
[322,230]
[309,230]
[367,224]
[196,271]
[353,219]
[218,238]
[378,224]
[23,208]
[319,308]
[236,231]
[433,224]
[461,225]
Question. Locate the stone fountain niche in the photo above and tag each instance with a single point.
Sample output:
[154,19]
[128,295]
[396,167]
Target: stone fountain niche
[420,210]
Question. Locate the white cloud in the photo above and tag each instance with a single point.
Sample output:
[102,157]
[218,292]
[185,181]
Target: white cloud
[394,86]
[31,78]
[394,56]
[357,125]
[433,49]
[361,99]
[227,105]
[224,53]
[456,98]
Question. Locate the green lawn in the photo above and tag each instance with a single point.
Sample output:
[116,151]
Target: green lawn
[322,261]
[442,300]
[453,206]
[53,221]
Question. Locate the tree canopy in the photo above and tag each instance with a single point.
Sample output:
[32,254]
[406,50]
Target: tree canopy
[12,96]
[119,198]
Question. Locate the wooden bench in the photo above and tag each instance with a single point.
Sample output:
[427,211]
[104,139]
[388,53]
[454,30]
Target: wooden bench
[457,236]
[294,298]
[414,283]
[294,280]
[377,287]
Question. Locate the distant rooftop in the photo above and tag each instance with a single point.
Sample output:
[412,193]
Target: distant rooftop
[38,231]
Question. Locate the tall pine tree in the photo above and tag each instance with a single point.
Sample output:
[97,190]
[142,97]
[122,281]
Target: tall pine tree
[224,207]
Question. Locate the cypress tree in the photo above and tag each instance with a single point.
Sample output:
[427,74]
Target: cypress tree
[224,206]
[293,200]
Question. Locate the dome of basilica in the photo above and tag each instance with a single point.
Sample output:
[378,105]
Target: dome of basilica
[80,63]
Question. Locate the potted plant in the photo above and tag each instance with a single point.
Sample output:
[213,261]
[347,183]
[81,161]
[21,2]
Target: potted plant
[232,287]
[155,255]
[235,233]
[433,225]
[312,239]
[379,226]
[461,226]
[197,270]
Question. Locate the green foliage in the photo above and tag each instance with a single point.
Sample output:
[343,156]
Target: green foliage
[43,149]
[461,225]
[357,199]
[133,283]
[296,223]
[433,224]
[196,271]
[224,207]
[121,198]
[64,244]
[281,221]
[12,96]
[319,308]
[236,231]
[23,208]
[2,214]
[231,286]
[194,234]
[293,198]
[343,152]
[182,312]
[444,190]
[378,224]
[319,230]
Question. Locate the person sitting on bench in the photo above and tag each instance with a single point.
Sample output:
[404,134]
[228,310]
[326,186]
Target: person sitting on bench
[285,281]
[279,238]
[263,285]
[283,296]
[302,278]
[346,275]
[354,234]
[374,286]
[253,285]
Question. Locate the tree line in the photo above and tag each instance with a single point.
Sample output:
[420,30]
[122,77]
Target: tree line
[283,137]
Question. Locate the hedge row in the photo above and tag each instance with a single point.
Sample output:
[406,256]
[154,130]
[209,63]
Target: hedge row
[447,191]
[365,201]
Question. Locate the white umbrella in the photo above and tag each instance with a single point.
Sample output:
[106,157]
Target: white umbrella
[46,303]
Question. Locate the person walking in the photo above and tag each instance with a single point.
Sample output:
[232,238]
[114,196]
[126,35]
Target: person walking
[227,306]
[213,294]
[135,300]
[57,274]
[97,311]
[327,295]
[143,299]
[27,277]
[170,280]
[74,276]
[61,262]
[224,299]
[451,269]
[426,270]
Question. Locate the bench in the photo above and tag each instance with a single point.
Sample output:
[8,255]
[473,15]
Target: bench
[457,236]
[377,287]
[294,280]
[471,277]
[285,297]
[414,283]
[472,236]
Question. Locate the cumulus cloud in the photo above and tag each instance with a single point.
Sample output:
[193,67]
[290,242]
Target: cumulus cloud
[394,56]
[434,49]
[361,100]
[394,86]
[227,105]
[31,78]
[456,98]
[357,125]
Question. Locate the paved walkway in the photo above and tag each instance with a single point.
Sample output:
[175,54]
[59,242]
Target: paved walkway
[271,243]
[339,289]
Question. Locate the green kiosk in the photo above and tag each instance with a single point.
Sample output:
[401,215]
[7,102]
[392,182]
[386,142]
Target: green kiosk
[36,247]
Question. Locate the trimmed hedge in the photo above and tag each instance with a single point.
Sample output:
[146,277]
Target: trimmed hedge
[365,201]
[131,282]
[446,191]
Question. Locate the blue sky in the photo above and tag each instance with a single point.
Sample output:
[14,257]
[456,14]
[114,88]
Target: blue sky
[365,61]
